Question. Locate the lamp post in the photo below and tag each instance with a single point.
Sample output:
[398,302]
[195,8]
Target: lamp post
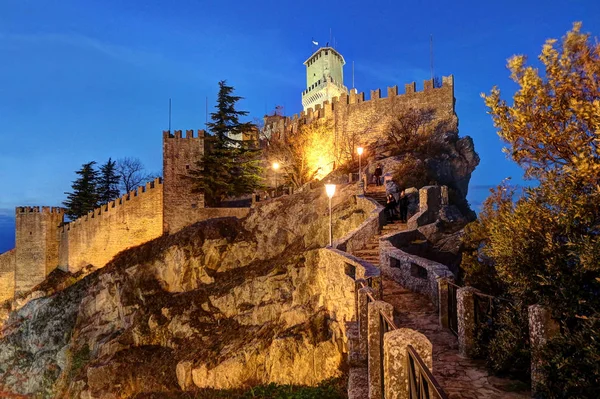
[275,168]
[330,190]
[359,150]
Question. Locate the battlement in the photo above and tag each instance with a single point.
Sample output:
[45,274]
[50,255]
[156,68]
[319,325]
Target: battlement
[46,210]
[189,134]
[115,205]
[410,89]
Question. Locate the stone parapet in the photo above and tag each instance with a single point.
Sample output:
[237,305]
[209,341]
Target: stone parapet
[466,321]
[412,272]
[542,328]
[359,237]
[396,362]
[375,311]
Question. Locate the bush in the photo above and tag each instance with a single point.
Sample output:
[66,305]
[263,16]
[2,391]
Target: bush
[412,172]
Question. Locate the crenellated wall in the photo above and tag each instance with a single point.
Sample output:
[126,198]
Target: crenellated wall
[353,113]
[7,275]
[36,244]
[131,220]
[181,205]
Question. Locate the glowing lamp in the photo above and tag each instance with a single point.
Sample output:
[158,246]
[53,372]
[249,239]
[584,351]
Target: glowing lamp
[330,190]
[275,165]
[360,150]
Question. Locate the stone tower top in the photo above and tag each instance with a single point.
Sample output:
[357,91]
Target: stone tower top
[324,77]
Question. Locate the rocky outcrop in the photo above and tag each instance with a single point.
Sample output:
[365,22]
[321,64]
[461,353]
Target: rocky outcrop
[223,303]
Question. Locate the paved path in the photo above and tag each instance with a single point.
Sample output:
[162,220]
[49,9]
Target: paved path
[461,378]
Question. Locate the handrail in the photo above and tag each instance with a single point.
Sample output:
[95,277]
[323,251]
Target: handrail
[385,317]
[426,373]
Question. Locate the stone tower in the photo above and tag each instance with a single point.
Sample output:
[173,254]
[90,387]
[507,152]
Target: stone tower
[180,204]
[37,244]
[324,77]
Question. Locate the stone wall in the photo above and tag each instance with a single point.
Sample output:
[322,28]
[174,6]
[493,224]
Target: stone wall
[128,221]
[358,238]
[353,114]
[180,154]
[36,245]
[7,275]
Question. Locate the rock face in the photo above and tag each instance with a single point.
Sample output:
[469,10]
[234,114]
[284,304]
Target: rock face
[223,303]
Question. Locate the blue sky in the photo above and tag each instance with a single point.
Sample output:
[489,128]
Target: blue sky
[88,80]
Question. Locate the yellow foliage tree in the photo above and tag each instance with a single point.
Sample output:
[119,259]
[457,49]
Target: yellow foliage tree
[545,247]
[304,155]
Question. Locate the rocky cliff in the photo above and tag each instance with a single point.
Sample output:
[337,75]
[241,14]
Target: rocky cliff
[223,303]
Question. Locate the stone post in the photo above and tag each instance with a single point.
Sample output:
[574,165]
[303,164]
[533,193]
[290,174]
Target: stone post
[443,300]
[377,285]
[363,320]
[350,177]
[361,188]
[542,328]
[465,304]
[374,351]
[395,363]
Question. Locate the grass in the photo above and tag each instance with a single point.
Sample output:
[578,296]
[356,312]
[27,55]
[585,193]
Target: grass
[334,388]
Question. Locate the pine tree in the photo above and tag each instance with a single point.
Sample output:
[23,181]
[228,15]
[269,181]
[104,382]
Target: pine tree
[108,182]
[84,197]
[230,167]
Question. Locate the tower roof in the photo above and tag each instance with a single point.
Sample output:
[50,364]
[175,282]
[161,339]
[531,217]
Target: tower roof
[325,48]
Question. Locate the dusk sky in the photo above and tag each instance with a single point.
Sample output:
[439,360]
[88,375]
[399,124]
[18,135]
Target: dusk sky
[89,80]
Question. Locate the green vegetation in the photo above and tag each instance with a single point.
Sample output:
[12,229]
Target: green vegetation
[84,197]
[230,166]
[334,388]
[543,246]
[107,186]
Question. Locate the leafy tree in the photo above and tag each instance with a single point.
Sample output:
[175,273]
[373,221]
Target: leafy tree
[304,154]
[230,166]
[545,246]
[108,182]
[131,173]
[84,197]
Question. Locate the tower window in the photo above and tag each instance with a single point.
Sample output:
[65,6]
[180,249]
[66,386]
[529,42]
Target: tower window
[187,166]
[326,52]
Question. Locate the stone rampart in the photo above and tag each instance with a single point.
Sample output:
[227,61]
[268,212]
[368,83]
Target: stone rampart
[36,244]
[352,113]
[7,275]
[358,238]
[131,220]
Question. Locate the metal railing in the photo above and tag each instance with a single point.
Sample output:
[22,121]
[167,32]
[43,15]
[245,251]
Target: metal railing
[421,383]
[453,307]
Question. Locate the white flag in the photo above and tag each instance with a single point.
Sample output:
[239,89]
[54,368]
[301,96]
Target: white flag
[315,43]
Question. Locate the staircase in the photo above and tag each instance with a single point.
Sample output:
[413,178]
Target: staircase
[371,252]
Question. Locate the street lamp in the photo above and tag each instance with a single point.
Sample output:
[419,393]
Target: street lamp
[330,190]
[359,150]
[275,167]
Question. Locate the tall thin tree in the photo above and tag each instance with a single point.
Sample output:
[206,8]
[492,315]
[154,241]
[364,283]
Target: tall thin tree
[84,197]
[108,182]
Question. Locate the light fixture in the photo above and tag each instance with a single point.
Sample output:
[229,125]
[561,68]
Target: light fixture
[330,190]
[359,150]
[275,167]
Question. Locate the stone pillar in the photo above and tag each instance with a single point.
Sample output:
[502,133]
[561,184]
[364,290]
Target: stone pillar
[377,286]
[374,342]
[443,300]
[465,304]
[363,320]
[361,188]
[542,328]
[395,363]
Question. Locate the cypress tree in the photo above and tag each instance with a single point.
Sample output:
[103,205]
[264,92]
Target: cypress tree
[84,197]
[108,182]
[230,167]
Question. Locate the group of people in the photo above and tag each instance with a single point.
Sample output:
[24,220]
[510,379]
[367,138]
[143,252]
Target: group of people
[397,209]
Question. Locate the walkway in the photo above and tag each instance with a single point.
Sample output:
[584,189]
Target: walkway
[461,378]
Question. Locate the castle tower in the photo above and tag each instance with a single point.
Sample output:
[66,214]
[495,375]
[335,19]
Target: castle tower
[180,154]
[37,244]
[324,77]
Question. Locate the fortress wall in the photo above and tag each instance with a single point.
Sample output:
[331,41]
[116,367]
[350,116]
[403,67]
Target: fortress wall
[180,154]
[7,275]
[36,245]
[353,113]
[131,220]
